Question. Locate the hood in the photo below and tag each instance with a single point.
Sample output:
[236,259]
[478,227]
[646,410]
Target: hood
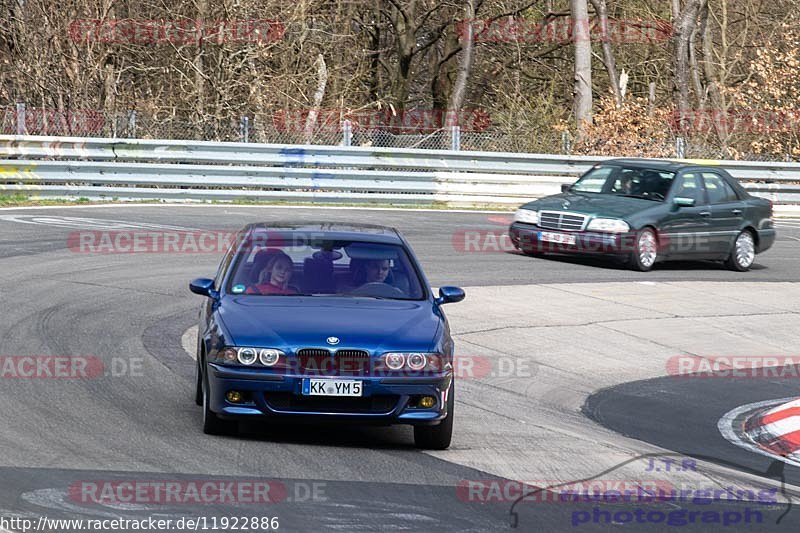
[595,205]
[359,323]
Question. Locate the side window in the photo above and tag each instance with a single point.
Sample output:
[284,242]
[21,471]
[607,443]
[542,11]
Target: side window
[226,261]
[689,186]
[718,189]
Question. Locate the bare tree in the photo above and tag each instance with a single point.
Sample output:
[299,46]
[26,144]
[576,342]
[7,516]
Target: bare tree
[583,65]
[608,53]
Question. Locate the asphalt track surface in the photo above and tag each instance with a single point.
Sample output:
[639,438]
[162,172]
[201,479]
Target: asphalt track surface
[142,425]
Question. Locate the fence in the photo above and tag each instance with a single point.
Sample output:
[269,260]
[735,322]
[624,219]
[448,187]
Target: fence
[474,130]
[202,170]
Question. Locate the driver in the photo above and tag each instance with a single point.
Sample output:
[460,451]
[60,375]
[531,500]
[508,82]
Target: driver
[274,278]
[377,270]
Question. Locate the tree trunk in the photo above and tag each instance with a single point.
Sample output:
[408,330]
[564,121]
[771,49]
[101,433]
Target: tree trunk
[322,82]
[464,66]
[684,27]
[608,53]
[583,66]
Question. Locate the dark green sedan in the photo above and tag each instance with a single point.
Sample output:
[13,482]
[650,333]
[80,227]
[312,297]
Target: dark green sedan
[645,211]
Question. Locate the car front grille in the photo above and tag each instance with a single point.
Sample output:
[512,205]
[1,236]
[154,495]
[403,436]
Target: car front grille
[286,401]
[561,221]
[340,363]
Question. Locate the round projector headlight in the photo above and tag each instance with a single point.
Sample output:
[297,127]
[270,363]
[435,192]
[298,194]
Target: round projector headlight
[417,361]
[269,357]
[395,361]
[247,356]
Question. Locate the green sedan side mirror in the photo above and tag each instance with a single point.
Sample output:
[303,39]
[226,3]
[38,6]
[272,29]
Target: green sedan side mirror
[683,202]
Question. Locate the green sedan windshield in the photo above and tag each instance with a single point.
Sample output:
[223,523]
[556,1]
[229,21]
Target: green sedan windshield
[647,183]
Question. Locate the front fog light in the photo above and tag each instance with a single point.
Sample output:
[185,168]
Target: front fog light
[416,361]
[234,396]
[247,356]
[395,361]
[426,402]
[269,357]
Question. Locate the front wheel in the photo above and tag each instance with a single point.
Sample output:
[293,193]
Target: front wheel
[743,253]
[645,250]
[198,387]
[437,437]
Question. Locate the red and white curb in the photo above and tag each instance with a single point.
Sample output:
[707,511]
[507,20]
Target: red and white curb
[770,428]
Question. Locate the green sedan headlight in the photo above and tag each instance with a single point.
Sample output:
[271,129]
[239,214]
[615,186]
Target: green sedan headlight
[608,225]
[526,216]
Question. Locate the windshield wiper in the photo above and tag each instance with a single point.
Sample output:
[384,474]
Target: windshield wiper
[639,196]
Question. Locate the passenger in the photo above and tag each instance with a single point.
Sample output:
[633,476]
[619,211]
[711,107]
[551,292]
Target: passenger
[274,278]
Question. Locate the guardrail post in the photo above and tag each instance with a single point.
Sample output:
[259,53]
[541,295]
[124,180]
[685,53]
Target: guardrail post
[132,124]
[455,138]
[680,147]
[566,142]
[244,129]
[21,125]
[347,133]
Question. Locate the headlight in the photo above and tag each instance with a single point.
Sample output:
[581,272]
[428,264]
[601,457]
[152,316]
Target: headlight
[249,356]
[526,216]
[609,225]
[269,357]
[415,362]
[394,361]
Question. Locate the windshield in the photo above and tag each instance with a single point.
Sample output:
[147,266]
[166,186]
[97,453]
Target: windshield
[292,267]
[650,184]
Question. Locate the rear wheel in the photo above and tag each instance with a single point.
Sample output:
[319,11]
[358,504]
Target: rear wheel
[212,424]
[645,250]
[437,437]
[743,253]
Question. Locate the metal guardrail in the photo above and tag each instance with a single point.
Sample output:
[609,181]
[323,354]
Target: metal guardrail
[201,170]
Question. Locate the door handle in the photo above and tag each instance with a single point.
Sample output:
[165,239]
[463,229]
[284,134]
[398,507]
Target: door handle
[705,213]
[737,212]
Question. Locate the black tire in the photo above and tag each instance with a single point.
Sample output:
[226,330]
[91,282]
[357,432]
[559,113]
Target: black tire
[743,252]
[212,424]
[532,253]
[198,387]
[437,437]
[645,250]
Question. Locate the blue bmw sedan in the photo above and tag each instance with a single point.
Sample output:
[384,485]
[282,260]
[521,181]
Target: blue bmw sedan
[325,321]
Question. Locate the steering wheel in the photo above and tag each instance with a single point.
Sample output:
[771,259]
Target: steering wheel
[377,288]
[656,195]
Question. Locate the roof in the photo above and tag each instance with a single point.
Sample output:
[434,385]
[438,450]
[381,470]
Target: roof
[662,164]
[331,230]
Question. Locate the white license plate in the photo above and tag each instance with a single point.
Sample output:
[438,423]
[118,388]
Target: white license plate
[331,387]
[558,238]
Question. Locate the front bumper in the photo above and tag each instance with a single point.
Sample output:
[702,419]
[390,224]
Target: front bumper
[384,399]
[525,237]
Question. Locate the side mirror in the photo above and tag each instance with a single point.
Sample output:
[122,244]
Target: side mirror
[565,187]
[683,202]
[450,295]
[203,287]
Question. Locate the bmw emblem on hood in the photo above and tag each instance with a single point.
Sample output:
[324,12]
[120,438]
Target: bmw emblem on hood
[333,341]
